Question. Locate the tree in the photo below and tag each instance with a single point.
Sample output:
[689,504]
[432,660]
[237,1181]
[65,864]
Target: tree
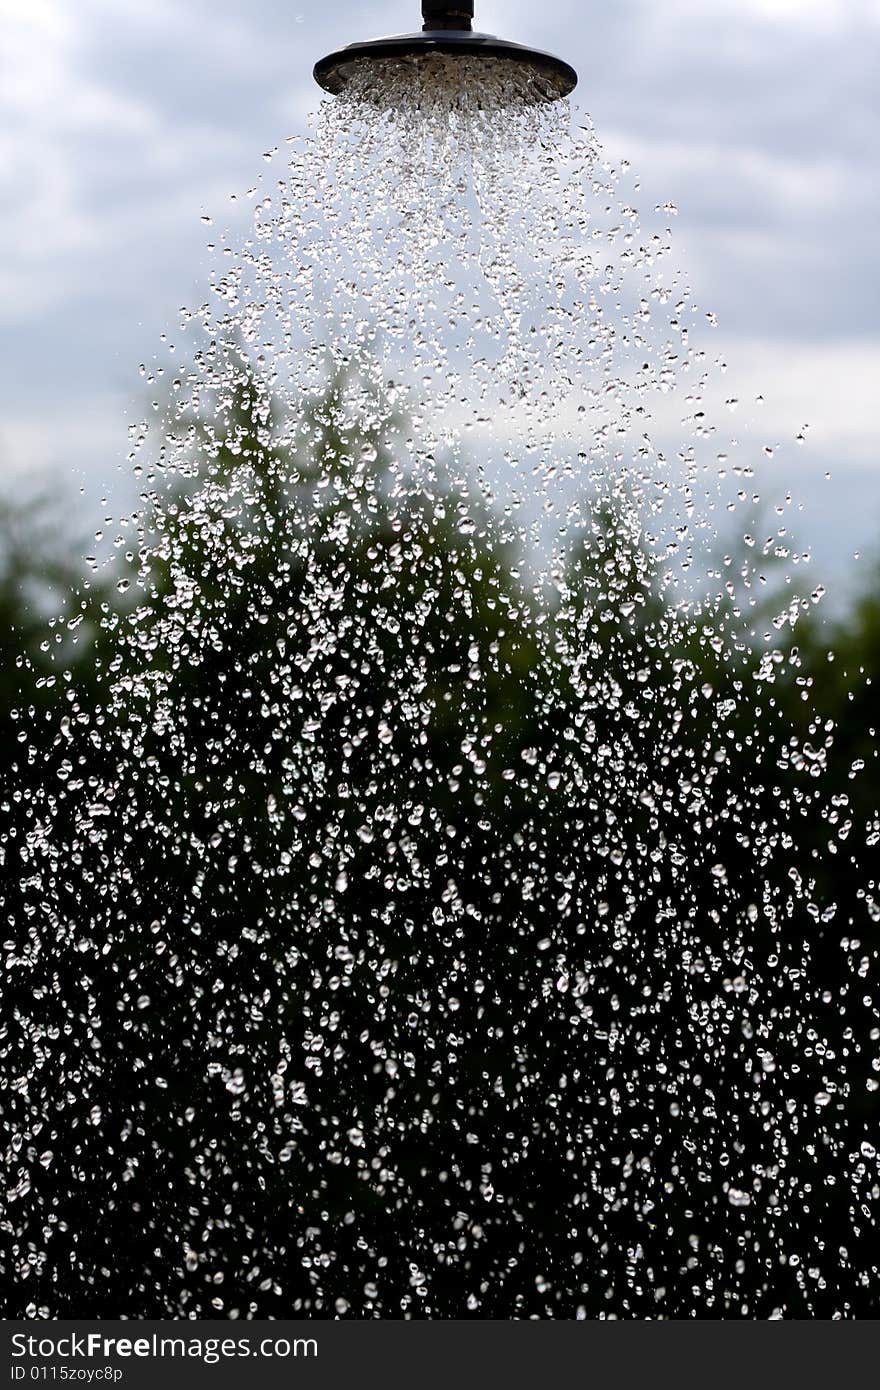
[402,943]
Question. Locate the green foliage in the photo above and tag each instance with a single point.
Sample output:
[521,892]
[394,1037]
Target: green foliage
[457,680]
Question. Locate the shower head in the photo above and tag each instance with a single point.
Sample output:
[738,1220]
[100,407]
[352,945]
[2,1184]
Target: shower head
[448,32]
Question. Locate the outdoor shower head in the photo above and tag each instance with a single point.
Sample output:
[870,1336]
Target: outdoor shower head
[448,31]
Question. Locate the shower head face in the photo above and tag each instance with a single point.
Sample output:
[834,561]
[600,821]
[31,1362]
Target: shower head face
[447,34]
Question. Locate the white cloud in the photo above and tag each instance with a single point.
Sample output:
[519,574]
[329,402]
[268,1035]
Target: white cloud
[49,111]
[818,15]
[801,183]
[781,385]
[74,437]
[831,387]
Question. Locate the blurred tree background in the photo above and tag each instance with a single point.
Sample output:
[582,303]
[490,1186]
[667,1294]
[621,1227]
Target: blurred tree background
[367,1107]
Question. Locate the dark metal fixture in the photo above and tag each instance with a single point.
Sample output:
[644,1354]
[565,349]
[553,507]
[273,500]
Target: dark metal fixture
[448,30]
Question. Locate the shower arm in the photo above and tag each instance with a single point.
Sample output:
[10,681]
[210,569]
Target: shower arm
[456,15]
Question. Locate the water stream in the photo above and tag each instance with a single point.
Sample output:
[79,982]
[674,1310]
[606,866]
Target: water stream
[445,908]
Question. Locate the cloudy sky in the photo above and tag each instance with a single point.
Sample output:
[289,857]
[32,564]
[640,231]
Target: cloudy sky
[122,121]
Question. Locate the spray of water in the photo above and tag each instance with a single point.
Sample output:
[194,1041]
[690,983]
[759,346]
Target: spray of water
[421,924]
